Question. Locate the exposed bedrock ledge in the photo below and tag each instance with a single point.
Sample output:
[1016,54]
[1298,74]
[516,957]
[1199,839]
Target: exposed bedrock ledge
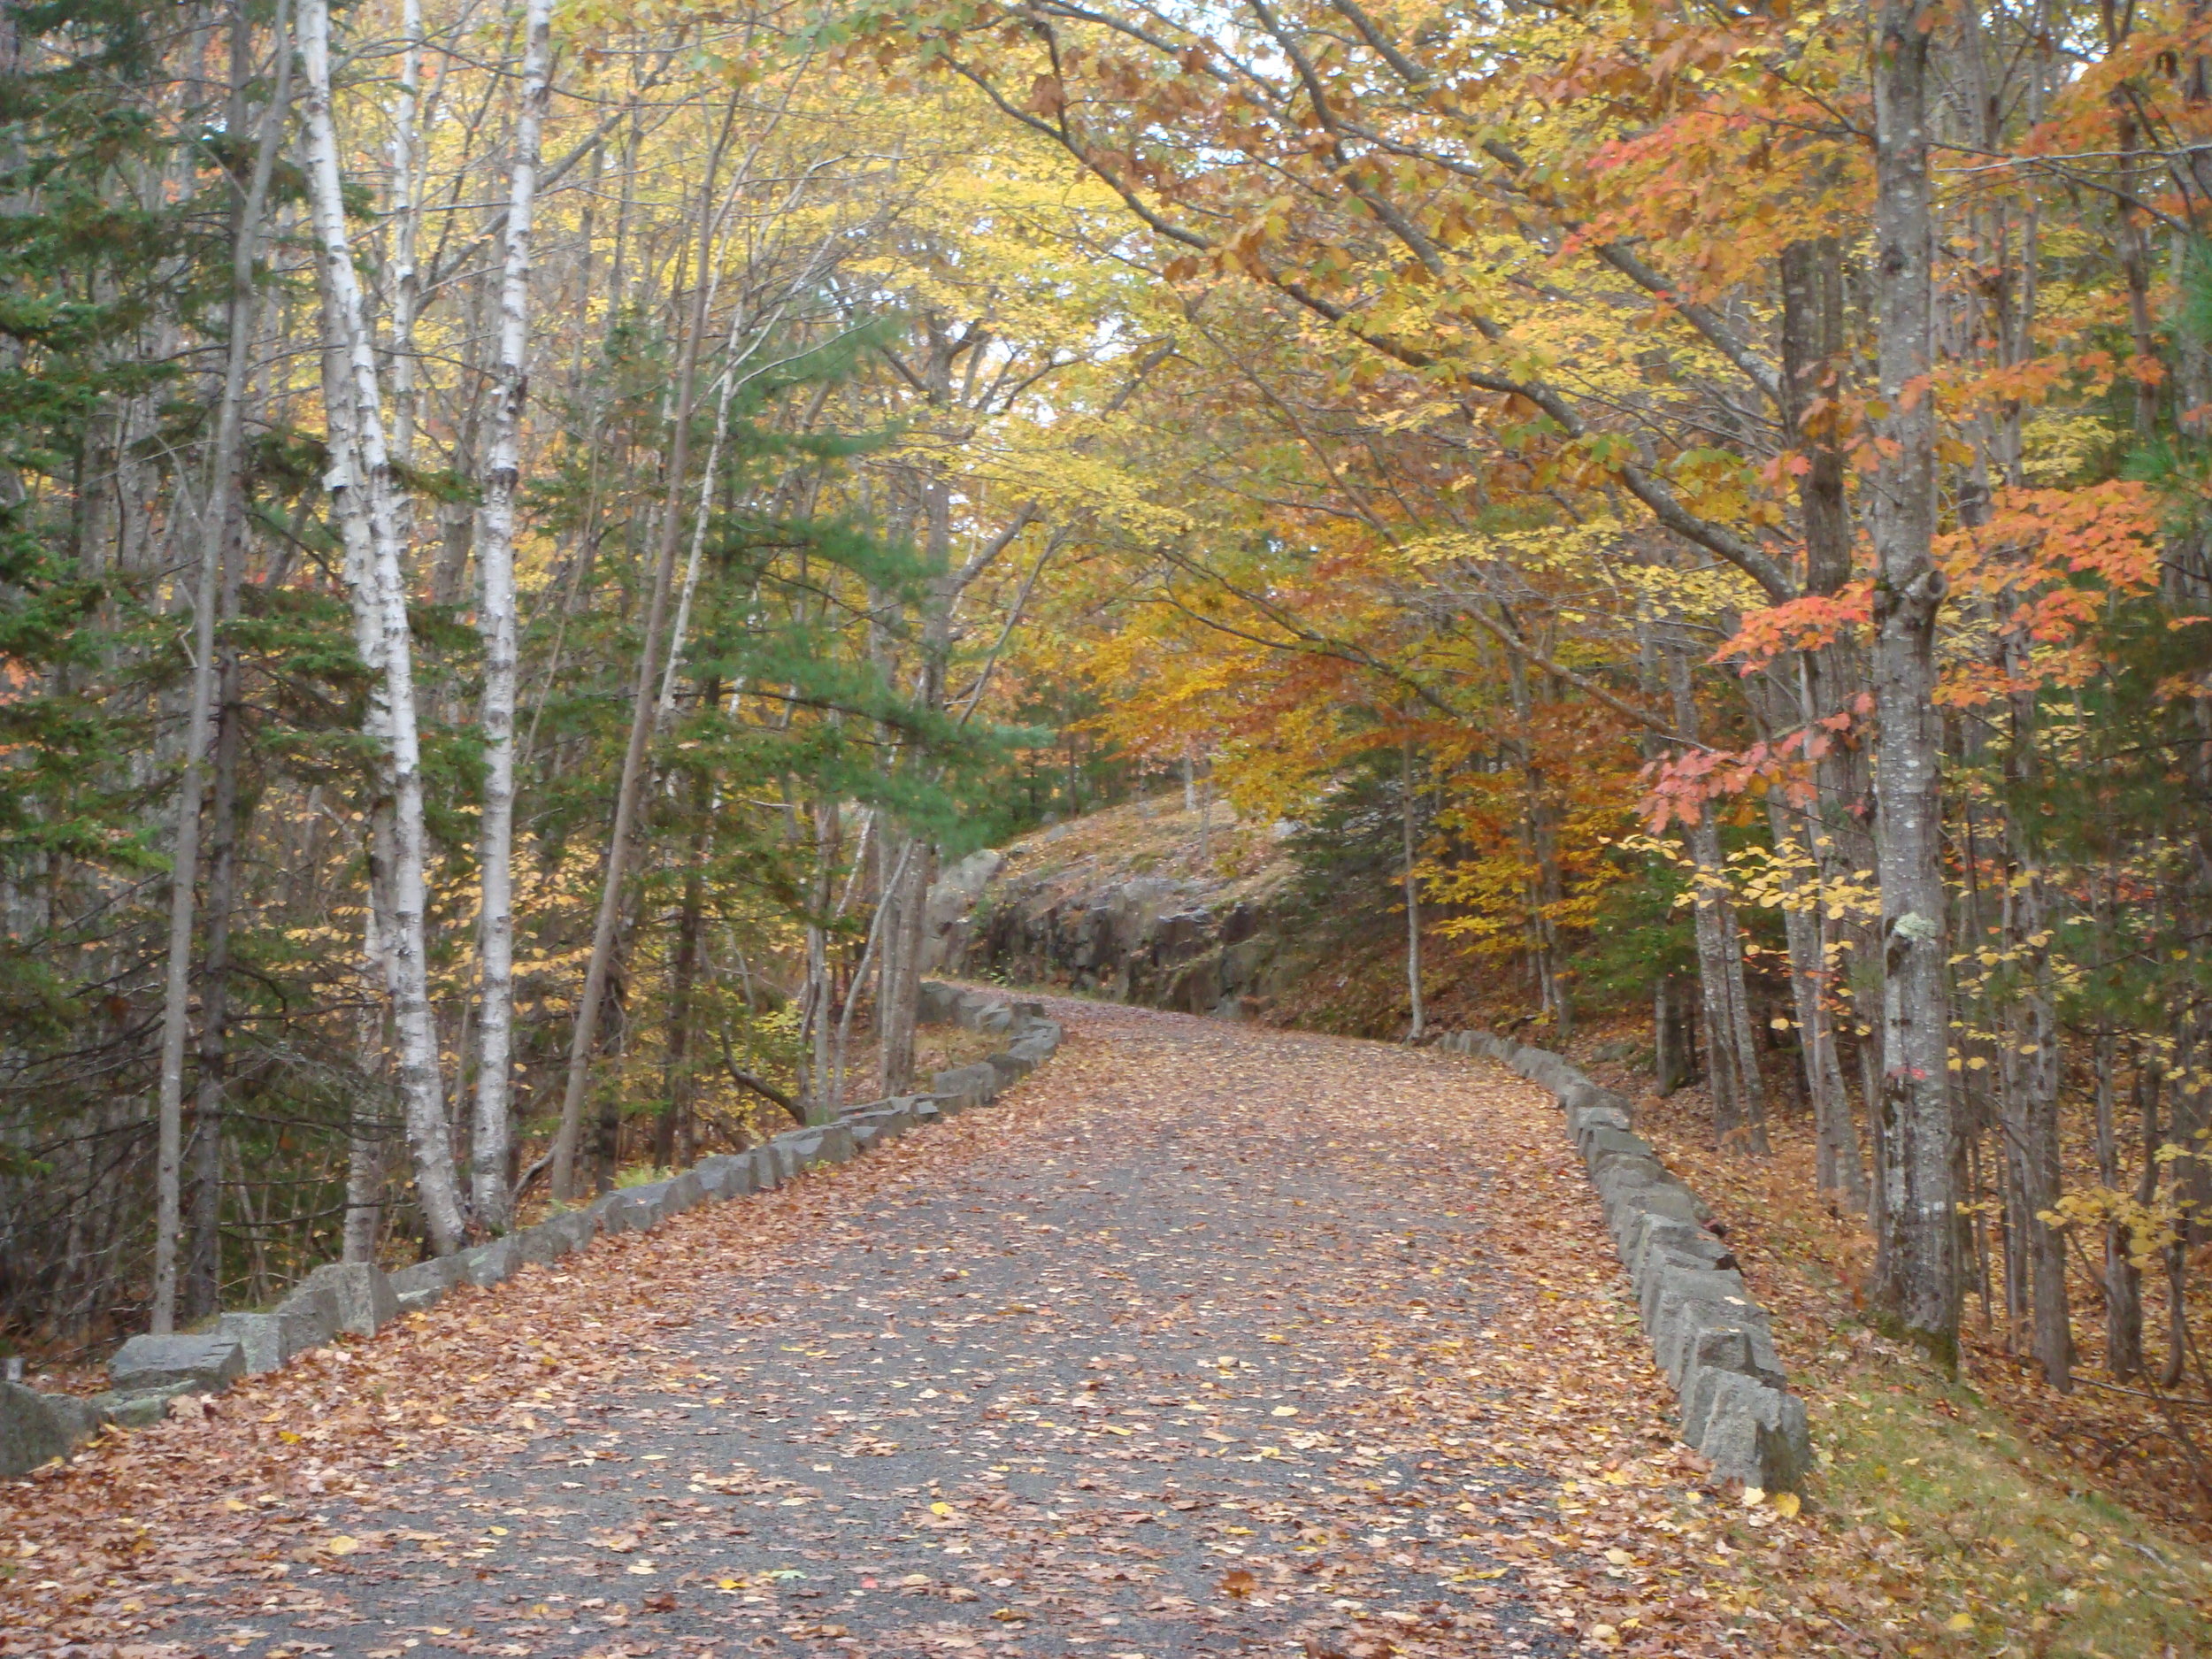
[358,1299]
[1196,946]
[1712,1340]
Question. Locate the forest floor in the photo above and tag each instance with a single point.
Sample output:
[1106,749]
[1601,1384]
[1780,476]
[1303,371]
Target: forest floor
[1207,1339]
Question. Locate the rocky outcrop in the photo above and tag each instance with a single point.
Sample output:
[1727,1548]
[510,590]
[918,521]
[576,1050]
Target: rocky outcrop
[1038,915]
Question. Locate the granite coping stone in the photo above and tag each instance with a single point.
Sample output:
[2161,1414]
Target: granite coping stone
[1583,1124]
[874,1124]
[633,1209]
[1703,1334]
[1604,1143]
[137,1408]
[727,1175]
[818,1143]
[970,1084]
[317,1310]
[784,1157]
[1754,1432]
[1639,1186]
[37,1428]
[367,1301]
[210,1362]
[272,1339]
[547,1242]
[436,1276]
[1663,1239]
[1634,1195]
[492,1263]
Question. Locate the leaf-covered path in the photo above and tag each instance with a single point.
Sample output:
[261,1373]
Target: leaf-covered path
[1207,1339]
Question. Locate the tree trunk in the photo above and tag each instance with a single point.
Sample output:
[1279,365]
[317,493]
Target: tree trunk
[1419,1028]
[1739,1102]
[362,489]
[1738,1090]
[492,1118]
[899,1001]
[204,1274]
[1813,343]
[2122,1282]
[629,793]
[1919,1290]
[886,939]
[2032,1132]
[1838,1170]
[672,1143]
[365,1128]
[1673,1045]
[2033,1051]
[614,1017]
[1540,827]
[406,215]
[215,538]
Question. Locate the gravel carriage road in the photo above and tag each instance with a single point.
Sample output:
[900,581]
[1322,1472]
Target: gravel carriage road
[1205,1339]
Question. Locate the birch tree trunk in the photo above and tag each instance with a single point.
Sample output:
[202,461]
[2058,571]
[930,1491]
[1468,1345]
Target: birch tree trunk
[1919,1288]
[367,1154]
[214,539]
[496,621]
[362,489]
[406,216]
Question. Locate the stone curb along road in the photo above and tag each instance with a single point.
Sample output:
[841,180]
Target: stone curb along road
[147,1373]
[1708,1335]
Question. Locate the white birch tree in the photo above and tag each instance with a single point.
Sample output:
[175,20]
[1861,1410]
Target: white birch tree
[496,621]
[363,489]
